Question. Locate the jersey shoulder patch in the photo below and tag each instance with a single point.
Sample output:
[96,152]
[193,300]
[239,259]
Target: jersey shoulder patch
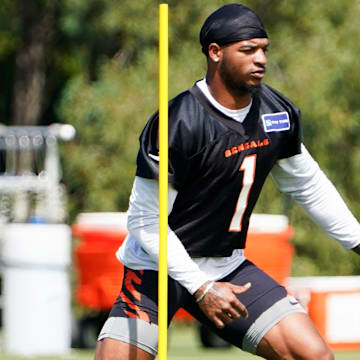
[276,121]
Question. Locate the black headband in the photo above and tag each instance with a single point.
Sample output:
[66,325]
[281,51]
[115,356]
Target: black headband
[231,23]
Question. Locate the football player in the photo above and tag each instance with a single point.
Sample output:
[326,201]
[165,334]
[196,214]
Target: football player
[226,135]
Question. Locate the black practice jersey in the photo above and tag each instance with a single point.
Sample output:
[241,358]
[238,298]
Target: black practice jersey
[219,165]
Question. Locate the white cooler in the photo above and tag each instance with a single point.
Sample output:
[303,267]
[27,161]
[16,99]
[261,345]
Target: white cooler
[36,289]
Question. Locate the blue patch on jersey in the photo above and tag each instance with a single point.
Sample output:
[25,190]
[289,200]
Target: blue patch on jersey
[276,122]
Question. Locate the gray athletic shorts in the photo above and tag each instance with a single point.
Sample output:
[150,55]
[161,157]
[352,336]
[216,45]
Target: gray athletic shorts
[133,318]
[144,335]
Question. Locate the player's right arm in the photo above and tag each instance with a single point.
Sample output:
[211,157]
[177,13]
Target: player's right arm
[143,225]
[220,303]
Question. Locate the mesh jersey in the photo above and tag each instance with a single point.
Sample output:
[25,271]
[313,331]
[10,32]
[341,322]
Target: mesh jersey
[218,165]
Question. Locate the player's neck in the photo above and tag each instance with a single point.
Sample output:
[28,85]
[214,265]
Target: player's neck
[226,97]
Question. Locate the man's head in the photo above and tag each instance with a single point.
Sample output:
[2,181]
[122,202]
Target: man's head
[235,41]
[231,23]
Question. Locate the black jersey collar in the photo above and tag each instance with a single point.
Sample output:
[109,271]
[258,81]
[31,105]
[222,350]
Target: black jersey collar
[246,128]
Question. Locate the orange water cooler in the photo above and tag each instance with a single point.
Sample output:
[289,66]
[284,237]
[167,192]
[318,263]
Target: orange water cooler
[99,272]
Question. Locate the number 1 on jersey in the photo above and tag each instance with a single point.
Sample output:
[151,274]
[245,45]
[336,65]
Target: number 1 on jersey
[248,166]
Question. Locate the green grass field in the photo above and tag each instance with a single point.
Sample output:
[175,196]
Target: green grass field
[184,344]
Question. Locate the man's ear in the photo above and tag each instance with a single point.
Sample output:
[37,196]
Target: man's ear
[215,52]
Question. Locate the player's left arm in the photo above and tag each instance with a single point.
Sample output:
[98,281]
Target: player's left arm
[301,177]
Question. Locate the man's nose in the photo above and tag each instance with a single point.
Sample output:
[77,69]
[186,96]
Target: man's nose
[260,57]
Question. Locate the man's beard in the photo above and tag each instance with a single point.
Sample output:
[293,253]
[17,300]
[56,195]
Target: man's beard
[234,85]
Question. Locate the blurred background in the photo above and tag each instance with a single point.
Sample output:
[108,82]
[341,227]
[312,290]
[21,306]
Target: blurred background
[93,64]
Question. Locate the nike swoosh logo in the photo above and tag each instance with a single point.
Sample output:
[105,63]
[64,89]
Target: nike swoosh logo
[292,300]
[154,157]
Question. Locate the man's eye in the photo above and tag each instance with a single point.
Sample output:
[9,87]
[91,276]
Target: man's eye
[247,49]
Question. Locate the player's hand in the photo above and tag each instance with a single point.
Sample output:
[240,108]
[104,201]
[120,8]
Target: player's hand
[220,304]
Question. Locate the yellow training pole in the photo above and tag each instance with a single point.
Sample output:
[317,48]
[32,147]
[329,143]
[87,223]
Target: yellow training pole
[163,177]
